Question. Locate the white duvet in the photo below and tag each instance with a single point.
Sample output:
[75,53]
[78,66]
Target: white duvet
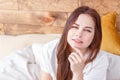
[20,66]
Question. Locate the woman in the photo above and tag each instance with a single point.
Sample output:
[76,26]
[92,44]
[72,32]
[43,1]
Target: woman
[78,51]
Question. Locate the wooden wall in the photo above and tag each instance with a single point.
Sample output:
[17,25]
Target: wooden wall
[46,16]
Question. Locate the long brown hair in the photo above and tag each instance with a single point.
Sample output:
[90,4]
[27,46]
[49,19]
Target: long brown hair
[63,70]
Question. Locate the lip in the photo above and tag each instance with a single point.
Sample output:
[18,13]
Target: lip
[77,41]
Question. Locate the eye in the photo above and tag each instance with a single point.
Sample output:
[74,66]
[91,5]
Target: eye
[76,27]
[88,30]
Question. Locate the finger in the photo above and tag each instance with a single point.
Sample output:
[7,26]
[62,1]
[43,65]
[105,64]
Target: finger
[78,57]
[70,60]
[80,54]
[74,57]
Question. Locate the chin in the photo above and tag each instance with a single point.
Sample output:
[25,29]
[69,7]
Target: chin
[75,46]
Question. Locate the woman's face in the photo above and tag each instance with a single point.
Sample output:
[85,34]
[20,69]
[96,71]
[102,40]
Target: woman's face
[81,33]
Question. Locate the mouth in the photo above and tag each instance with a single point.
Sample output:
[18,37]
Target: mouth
[77,41]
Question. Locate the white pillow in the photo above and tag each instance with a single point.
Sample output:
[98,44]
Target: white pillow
[9,43]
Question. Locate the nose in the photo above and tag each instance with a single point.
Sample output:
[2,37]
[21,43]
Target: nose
[78,33]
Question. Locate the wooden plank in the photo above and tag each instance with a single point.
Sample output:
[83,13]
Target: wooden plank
[33,18]
[104,6]
[15,29]
[8,5]
[48,5]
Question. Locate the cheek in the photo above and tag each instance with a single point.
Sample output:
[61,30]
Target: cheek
[70,33]
[89,39]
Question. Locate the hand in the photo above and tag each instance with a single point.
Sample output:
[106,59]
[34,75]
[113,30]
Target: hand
[76,60]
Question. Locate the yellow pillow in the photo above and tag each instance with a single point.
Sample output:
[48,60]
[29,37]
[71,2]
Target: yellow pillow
[111,38]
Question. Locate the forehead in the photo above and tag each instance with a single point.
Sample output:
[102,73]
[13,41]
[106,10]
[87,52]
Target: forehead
[85,20]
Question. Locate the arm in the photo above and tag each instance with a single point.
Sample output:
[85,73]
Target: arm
[77,77]
[98,70]
[76,60]
[44,58]
[45,76]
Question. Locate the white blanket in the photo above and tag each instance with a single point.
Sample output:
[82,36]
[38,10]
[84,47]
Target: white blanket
[20,65]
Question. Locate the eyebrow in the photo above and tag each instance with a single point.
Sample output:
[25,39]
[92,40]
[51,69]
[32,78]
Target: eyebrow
[89,27]
[85,27]
[76,24]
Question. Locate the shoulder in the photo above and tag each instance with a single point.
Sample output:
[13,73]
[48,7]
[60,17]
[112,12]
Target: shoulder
[101,60]
[106,56]
[102,56]
[52,44]
[46,50]
[96,70]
